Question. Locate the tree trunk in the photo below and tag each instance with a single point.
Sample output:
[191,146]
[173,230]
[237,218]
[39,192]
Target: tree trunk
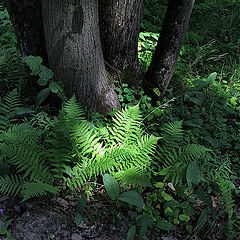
[120,22]
[169,45]
[26,17]
[75,54]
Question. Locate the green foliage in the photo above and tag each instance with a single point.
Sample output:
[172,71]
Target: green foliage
[147,43]
[12,72]
[73,151]
[166,211]
[122,147]
[5,223]
[45,75]
[175,156]
[209,117]
[111,186]
[8,107]
[226,191]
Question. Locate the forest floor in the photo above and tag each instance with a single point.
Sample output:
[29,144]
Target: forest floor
[53,218]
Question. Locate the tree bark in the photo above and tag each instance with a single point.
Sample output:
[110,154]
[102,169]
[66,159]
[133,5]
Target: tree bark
[120,22]
[169,45]
[74,51]
[26,17]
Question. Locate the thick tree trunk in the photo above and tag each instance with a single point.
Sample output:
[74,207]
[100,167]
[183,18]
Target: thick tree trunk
[75,54]
[169,45]
[120,22]
[26,17]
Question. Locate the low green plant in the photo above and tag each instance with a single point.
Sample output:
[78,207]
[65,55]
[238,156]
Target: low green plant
[45,75]
[4,226]
[147,43]
[74,152]
[177,161]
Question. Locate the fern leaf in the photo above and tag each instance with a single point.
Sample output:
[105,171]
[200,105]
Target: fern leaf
[133,176]
[126,125]
[172,134]
[33,189]
[11,184]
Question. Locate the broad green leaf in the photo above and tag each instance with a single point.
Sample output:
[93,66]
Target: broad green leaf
[45,75]
[164,225]
[212,77]
[159,185]
[201,221]
[54,87]
[111,186]
[81,203]
[22,111]
[176,221]
[144,220]
[34,64]
[42,82]
[197,101]
[166,196]
[142,232]
[168,211]
[184,218]
[42,95]
[132,198]
[131,233]
[189,228]
[193,174]
[78,220]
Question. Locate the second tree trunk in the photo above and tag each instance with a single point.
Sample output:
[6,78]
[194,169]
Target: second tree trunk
[169,45]
[120,22]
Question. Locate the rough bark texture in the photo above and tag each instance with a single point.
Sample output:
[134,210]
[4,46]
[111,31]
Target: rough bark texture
[120,22]
[26,17]
[75,53]
[169,45]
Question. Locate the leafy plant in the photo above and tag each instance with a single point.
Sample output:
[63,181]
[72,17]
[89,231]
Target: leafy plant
[176,157]
[74,152]
[45,75]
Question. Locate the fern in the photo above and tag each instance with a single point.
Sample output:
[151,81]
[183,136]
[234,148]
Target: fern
[74,152]
[174,156]
[11,184]
[126,126]
[133,176]
[172,134]
[21,150]
[226,191]
[12,71]
[89,154]
[36,189]
[11,103]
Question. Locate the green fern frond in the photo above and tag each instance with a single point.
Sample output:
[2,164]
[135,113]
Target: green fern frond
[192,151]
[72,111]
[126,126]
[11,103]
[145,150]
[172,133]
[132,176]
[21,149]
[12,69]
[36,189]
[11,184]
[174,156]
[226,191]
[77,176]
